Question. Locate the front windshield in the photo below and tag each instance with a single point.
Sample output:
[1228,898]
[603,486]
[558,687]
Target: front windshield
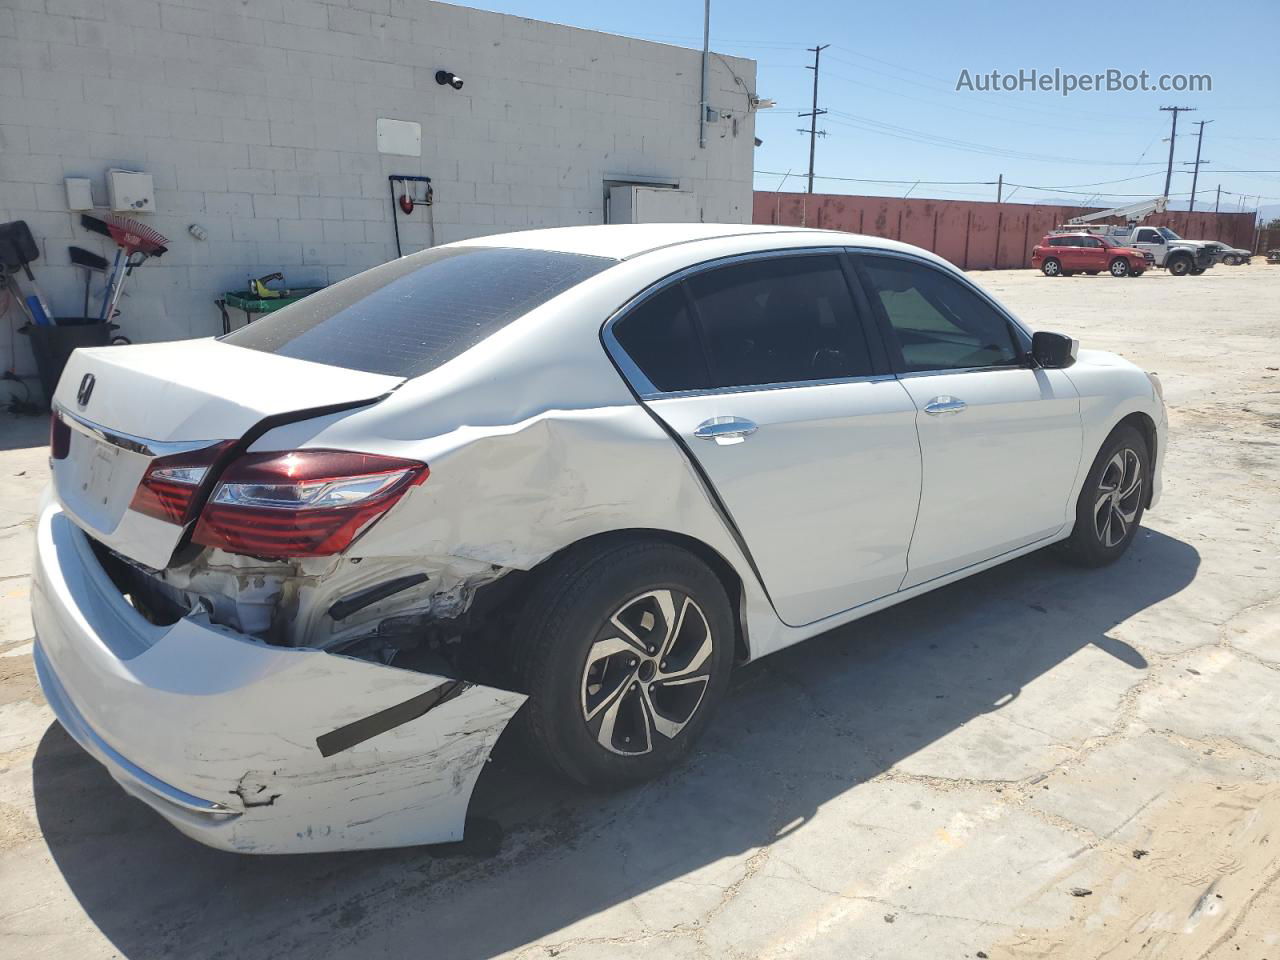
[1169,234]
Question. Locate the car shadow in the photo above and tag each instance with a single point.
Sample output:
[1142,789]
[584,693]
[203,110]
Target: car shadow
[798,729]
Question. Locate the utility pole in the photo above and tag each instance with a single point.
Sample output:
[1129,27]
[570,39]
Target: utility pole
[1218,199]
[1173,136]
[706,52]
[813,116]
[1195,176]
[999,188]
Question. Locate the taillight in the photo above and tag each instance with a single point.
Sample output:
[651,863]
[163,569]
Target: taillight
[170,484]
[59,437]
[307,503]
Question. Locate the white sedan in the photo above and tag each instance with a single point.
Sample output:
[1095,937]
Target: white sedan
[293,583]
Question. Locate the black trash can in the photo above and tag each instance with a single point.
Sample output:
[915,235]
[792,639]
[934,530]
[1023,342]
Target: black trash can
[52,345]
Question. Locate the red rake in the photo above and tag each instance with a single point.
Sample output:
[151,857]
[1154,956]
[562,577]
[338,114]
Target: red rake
[136,241]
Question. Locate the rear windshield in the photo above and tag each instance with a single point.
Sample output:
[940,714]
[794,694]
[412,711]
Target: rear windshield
[409,316]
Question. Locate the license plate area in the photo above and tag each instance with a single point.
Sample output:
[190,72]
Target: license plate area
[97,479]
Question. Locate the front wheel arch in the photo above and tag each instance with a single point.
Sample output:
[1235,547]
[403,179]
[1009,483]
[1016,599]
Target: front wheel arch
[1147,427]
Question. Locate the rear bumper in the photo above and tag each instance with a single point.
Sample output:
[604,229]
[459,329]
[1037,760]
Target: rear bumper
[245,746]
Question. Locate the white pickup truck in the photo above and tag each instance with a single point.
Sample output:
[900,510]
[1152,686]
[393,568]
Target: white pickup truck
[1180,257]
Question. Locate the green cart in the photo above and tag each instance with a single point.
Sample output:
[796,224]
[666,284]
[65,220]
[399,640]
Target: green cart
[253,305]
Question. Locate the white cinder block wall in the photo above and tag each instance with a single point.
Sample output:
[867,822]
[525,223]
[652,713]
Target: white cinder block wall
[257,121]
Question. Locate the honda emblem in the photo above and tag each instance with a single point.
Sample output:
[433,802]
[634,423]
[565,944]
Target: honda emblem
[86,389]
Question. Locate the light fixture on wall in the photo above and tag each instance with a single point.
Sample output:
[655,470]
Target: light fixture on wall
[448,78]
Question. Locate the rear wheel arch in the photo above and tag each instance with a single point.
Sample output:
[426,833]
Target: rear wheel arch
[708,555]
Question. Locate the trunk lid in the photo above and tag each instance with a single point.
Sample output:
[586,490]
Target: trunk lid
[126,406]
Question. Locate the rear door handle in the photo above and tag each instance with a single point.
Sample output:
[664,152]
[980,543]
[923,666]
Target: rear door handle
[944,404]
[725,429]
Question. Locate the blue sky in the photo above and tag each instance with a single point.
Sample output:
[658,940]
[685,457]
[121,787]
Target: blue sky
[890,74]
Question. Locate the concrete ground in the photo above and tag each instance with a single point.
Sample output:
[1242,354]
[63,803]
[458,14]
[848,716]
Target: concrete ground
[1037,762]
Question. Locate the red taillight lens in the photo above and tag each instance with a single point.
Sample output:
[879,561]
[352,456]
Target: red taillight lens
[308,503]
[170,484]
[59,437]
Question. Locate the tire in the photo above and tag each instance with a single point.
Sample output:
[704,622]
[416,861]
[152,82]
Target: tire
[571,655]
[1052,267]
[1196,271]
[1231,260]
[1094,541]
[1119,267]
[1179,266]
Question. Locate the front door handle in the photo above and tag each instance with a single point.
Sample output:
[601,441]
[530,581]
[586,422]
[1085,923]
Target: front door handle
[725,429]
[944,404]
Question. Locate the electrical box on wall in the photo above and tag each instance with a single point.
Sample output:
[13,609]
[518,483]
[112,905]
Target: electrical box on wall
[79,193]
[399,137]
[130,192]
[633,203]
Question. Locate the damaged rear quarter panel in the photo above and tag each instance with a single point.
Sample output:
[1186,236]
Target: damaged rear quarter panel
[534,443]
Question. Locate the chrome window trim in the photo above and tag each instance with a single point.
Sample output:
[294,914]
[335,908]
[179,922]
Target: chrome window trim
[762,387]
[127,441]
[645,388]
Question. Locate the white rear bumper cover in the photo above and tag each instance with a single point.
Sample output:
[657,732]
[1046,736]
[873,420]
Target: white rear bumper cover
[246,746]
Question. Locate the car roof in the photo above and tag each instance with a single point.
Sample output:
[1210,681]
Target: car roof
[624,241]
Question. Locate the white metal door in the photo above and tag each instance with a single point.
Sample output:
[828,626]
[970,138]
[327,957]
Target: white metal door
[1000,449]
[821,480]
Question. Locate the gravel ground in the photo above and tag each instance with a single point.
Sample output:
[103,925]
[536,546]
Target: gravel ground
[1037,762]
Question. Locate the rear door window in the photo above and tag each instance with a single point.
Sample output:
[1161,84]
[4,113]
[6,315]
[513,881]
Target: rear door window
[659,338]
[790,319]
[409,316]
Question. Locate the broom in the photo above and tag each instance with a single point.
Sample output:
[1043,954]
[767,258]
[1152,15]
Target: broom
[136,241]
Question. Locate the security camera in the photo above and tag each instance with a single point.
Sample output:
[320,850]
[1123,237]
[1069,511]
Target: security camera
[445,77]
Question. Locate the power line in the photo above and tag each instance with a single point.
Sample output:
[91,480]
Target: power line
[949,108]
[1008,183]
[920,136]
[957,183]
[941,83]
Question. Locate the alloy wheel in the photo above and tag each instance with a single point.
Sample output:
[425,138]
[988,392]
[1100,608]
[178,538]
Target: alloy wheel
[647,672]
[1119,497]
[1119,268]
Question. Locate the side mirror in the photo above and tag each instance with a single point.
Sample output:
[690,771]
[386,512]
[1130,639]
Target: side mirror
[1053,351]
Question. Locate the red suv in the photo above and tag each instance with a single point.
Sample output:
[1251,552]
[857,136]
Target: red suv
[1062,254]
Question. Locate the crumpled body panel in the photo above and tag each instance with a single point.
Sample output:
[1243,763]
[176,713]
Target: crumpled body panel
[251,747]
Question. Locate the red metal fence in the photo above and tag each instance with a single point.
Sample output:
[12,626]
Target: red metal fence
[973,235]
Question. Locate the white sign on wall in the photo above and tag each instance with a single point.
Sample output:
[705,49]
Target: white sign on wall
[400,137]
